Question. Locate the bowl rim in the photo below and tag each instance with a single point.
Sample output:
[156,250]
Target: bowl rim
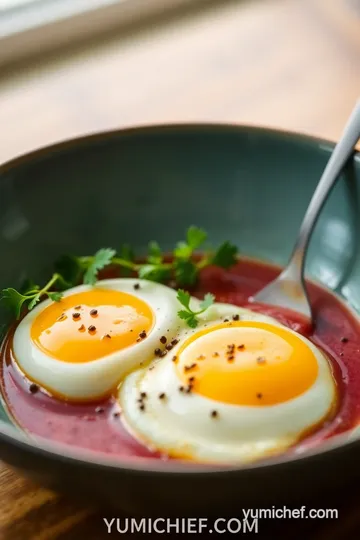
[66,143]
[72,455]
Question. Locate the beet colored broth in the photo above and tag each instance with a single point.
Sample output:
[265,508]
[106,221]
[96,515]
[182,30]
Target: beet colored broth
[98,426]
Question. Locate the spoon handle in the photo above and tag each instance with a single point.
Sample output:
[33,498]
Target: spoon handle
[339,157]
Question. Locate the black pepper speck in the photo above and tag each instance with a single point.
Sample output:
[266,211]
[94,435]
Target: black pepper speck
[33,388]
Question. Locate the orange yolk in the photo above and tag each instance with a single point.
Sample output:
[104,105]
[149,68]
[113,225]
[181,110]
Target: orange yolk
[247,363]
[88,325]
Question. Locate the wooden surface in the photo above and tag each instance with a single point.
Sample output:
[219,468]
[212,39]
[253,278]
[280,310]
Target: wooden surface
[293,64]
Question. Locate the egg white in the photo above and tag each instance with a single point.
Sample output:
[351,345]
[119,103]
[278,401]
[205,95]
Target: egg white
[181,424]
[93,379]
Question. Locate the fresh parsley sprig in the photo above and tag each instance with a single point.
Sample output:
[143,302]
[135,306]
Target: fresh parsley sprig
[182,266]
[188,314]
[101,260]
[30,297]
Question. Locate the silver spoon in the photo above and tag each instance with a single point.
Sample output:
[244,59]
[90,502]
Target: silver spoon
[288,290]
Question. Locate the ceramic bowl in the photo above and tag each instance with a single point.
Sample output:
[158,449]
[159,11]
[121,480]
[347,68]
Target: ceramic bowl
[247,185]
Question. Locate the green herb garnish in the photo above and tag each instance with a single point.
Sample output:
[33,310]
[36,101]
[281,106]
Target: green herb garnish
[16,300]
[188,314]
[182,266]
[101,259]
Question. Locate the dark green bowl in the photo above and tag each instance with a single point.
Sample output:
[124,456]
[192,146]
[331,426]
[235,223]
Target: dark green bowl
[247,185]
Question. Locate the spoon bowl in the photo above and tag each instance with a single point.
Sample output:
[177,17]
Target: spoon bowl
[288,290]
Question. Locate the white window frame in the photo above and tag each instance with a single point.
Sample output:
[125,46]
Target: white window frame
[42,25]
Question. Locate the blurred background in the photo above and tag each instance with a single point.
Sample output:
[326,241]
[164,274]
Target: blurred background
[69,67]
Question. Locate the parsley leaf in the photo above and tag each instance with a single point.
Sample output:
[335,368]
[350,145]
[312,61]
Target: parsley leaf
[208,301]
[155,255]
[34,301]
[189,317]
[225,256]
[186,272]
[188,314]
[147,270]
[154,272]
[55,296]
[182,251]
[101,259]
[194,238]
[14,300]
[184,298]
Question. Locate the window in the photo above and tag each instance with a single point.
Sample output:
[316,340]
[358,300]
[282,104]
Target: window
[33,26]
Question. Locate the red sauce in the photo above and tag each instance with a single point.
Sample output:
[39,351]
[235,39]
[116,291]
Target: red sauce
[98,426]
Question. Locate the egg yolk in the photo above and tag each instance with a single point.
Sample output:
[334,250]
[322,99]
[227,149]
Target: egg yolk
[88,325]
[247,363]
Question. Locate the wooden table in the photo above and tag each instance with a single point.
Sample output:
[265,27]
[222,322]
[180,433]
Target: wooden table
[292,64]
